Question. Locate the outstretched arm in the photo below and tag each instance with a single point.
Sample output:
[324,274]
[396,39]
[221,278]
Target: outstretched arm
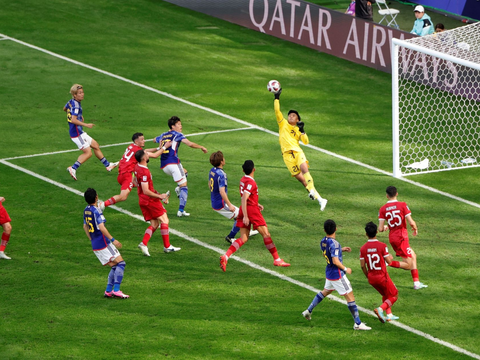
[194,146]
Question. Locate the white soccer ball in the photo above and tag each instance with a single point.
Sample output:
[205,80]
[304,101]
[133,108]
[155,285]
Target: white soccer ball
[273,86]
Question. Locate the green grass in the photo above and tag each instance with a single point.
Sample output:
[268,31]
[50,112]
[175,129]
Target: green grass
[182,305]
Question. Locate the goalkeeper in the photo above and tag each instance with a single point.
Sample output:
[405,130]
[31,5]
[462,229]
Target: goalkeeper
[290,132]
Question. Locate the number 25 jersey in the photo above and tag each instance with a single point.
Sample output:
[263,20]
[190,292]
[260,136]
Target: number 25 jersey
[394,213]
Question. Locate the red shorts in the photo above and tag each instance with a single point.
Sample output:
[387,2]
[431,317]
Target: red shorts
[153,210]
[125,181]
[4,218]
[384,286]
[255,217]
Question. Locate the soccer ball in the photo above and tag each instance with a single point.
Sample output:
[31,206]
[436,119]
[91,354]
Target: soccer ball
[273,86]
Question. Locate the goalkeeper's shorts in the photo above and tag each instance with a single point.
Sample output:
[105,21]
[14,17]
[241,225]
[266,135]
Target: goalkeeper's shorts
[293,160]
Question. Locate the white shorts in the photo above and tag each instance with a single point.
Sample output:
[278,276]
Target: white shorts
[82,141]
[342,286]
[227,213]
[176,171]
[108,254]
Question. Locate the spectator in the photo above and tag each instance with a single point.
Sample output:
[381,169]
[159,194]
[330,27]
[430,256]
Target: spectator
[423,24]
[439,28]
[363,9]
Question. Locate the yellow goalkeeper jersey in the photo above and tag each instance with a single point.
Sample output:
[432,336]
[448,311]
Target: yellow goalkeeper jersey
[289,135]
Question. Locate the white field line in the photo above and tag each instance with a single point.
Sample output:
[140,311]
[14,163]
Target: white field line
[218,250]
[111,145]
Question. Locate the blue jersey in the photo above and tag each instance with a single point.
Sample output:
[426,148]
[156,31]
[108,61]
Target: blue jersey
[216,180]
[170,156]
[74,108]
[92,217]
[331,248]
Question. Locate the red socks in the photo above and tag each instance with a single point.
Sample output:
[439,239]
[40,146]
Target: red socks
[234,247]
[5,238]
[395,264]
[415,275]
[271,247]
[109,202]
[165,235]
[148,234]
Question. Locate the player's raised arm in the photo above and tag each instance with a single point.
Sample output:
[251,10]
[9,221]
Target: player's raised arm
[194,146]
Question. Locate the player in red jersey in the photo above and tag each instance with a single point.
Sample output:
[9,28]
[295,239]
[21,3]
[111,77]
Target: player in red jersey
[250,214]
[7,229]
[150,202]
[127,166]
[373,259]
[396,214]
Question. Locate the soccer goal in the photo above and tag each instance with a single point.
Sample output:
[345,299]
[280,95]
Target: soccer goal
[436,102]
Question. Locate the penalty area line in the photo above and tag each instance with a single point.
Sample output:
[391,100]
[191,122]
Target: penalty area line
[249,263]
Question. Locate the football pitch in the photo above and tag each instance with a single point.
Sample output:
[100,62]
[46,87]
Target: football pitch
[141,63]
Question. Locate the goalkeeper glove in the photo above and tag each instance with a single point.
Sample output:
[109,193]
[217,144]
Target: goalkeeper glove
[300,125]
[277,94]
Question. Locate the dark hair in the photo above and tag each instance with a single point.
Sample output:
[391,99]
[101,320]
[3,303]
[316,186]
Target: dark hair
[172,121]
[216,158]
[330,227]
[440,26]
[391,191]
[139,155]
[90,195]
[248,167]
[295,112]
[371,230]
[136,136]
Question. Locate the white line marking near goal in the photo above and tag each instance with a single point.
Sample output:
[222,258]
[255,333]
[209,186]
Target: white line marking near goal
[248,263]
[218,250]
[118,144]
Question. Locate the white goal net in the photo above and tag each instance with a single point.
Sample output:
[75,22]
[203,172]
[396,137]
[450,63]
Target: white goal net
[436,101]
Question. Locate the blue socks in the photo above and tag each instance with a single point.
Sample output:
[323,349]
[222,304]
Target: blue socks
[118,276]
[352,306]
[76,165]
[105,162]
[234,231]
[316,300]
[111,279]
[183,197]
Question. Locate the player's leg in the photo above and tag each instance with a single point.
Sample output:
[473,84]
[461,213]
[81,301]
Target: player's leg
[267,240]
[165,232]
[417,285]
[235,246]
[352,306]
[125,181]
[7,230]
[309,184]
[119,265]
[99,154]
[317,299]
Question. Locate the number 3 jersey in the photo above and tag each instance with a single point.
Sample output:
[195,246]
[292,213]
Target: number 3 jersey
[331,248]
[394,213]
[374,253]
[92,217]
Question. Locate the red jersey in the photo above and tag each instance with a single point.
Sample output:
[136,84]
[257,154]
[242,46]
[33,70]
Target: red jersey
[248,184]
[143,175]
[374,253]
[128,162]
[394,213]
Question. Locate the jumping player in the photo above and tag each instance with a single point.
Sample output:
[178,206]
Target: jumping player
[373,258]
[104,245]
[7,229]
[73,108]
[336,275]
[217,183]
[127,166]
[171,164]
[250,214]
[396,213]
[150,202]
[290,132]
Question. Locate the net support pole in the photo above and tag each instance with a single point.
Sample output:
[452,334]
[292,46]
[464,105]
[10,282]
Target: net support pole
[395,113]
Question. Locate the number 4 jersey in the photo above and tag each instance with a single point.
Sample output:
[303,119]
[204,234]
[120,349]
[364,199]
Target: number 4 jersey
[394,213]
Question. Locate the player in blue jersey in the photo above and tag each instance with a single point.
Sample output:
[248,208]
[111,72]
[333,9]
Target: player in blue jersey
[73,108]
[217,183]
[170,163]
[104,245]
[336,275]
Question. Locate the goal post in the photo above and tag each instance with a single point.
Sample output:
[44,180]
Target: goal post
[436,102]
